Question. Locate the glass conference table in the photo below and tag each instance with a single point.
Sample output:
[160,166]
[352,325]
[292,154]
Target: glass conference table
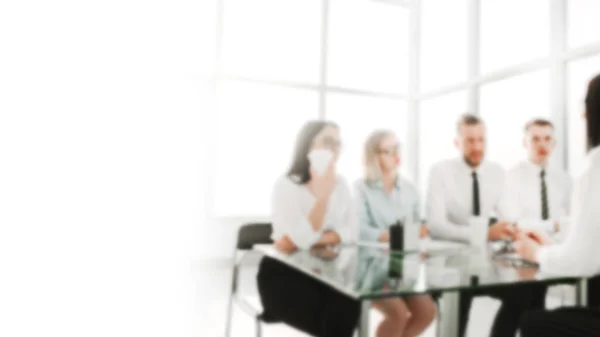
[368,272]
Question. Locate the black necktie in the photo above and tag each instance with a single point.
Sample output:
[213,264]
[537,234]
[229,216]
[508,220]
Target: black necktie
[545,211]
[476,210]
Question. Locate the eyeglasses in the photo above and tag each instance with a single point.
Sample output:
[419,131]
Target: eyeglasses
[331,143]
[391,151]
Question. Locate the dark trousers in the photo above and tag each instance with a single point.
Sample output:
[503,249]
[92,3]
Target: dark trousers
[593,299]
[516,300]
[566,322]
[305,303]
[563,322]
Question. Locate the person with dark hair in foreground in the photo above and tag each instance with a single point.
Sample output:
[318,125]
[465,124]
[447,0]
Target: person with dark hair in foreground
[312,207]
[578,254]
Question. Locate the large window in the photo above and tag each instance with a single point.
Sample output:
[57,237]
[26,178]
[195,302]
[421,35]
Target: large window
[584,26]
[368,46]
[443,63]
[437,131]
[506,106]
[513,32]
[284,62]
[277,72]
[255,137]
[272,39]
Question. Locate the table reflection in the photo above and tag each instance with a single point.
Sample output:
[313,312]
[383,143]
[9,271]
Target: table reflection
[375,272]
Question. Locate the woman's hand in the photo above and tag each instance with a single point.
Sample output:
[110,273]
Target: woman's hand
[527,248]
[322,185]
[285,245]
[539,236]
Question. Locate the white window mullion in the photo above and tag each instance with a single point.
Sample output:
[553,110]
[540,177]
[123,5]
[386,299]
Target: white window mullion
[323,61]
[474,53]
[558,87]
[414,88]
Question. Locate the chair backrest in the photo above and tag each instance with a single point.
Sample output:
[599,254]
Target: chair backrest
[254,234]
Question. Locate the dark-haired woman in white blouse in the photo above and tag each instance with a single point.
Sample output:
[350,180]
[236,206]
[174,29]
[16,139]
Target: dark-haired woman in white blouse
[312,206]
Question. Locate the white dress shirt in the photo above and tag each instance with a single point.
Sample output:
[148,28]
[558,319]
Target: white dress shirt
[450,197]
[522,200]
[578,254]
[292,203]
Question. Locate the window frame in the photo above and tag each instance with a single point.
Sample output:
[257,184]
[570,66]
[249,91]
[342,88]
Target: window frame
[560,55]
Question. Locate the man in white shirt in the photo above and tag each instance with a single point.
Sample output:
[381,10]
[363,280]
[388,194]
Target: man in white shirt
[464,187]
[467,187]
[536,195]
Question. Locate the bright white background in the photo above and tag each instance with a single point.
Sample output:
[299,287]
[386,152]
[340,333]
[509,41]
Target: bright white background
[117,175]
[101,143]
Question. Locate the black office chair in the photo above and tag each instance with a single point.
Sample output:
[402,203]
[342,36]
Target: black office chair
[248,236]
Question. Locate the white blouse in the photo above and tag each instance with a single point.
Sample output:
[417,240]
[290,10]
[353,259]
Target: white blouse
[578,254]
[292,204]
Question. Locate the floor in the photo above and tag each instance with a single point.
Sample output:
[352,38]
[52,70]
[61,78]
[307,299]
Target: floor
[214,284]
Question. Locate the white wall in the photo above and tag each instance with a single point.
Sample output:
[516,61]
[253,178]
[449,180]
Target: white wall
[101,142]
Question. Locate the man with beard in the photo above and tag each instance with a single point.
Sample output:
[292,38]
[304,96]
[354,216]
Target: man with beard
[467,187]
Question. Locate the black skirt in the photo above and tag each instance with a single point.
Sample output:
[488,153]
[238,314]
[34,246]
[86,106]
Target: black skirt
[305,303]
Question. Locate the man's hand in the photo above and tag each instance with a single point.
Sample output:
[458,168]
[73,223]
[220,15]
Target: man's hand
[285,245]
[502,230]
[384,237]
[540,237]
[527,248]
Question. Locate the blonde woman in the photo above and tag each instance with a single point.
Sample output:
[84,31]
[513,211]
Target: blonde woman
[383,197]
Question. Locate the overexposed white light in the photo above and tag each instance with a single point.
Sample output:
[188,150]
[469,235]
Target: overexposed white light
[513,32]
[582,19]
[273,39]
[403,3]
[506,106]
[102,108]
[357,117]
[257,127]
[580,74]
[368,46]
[437,131]
[444,47]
